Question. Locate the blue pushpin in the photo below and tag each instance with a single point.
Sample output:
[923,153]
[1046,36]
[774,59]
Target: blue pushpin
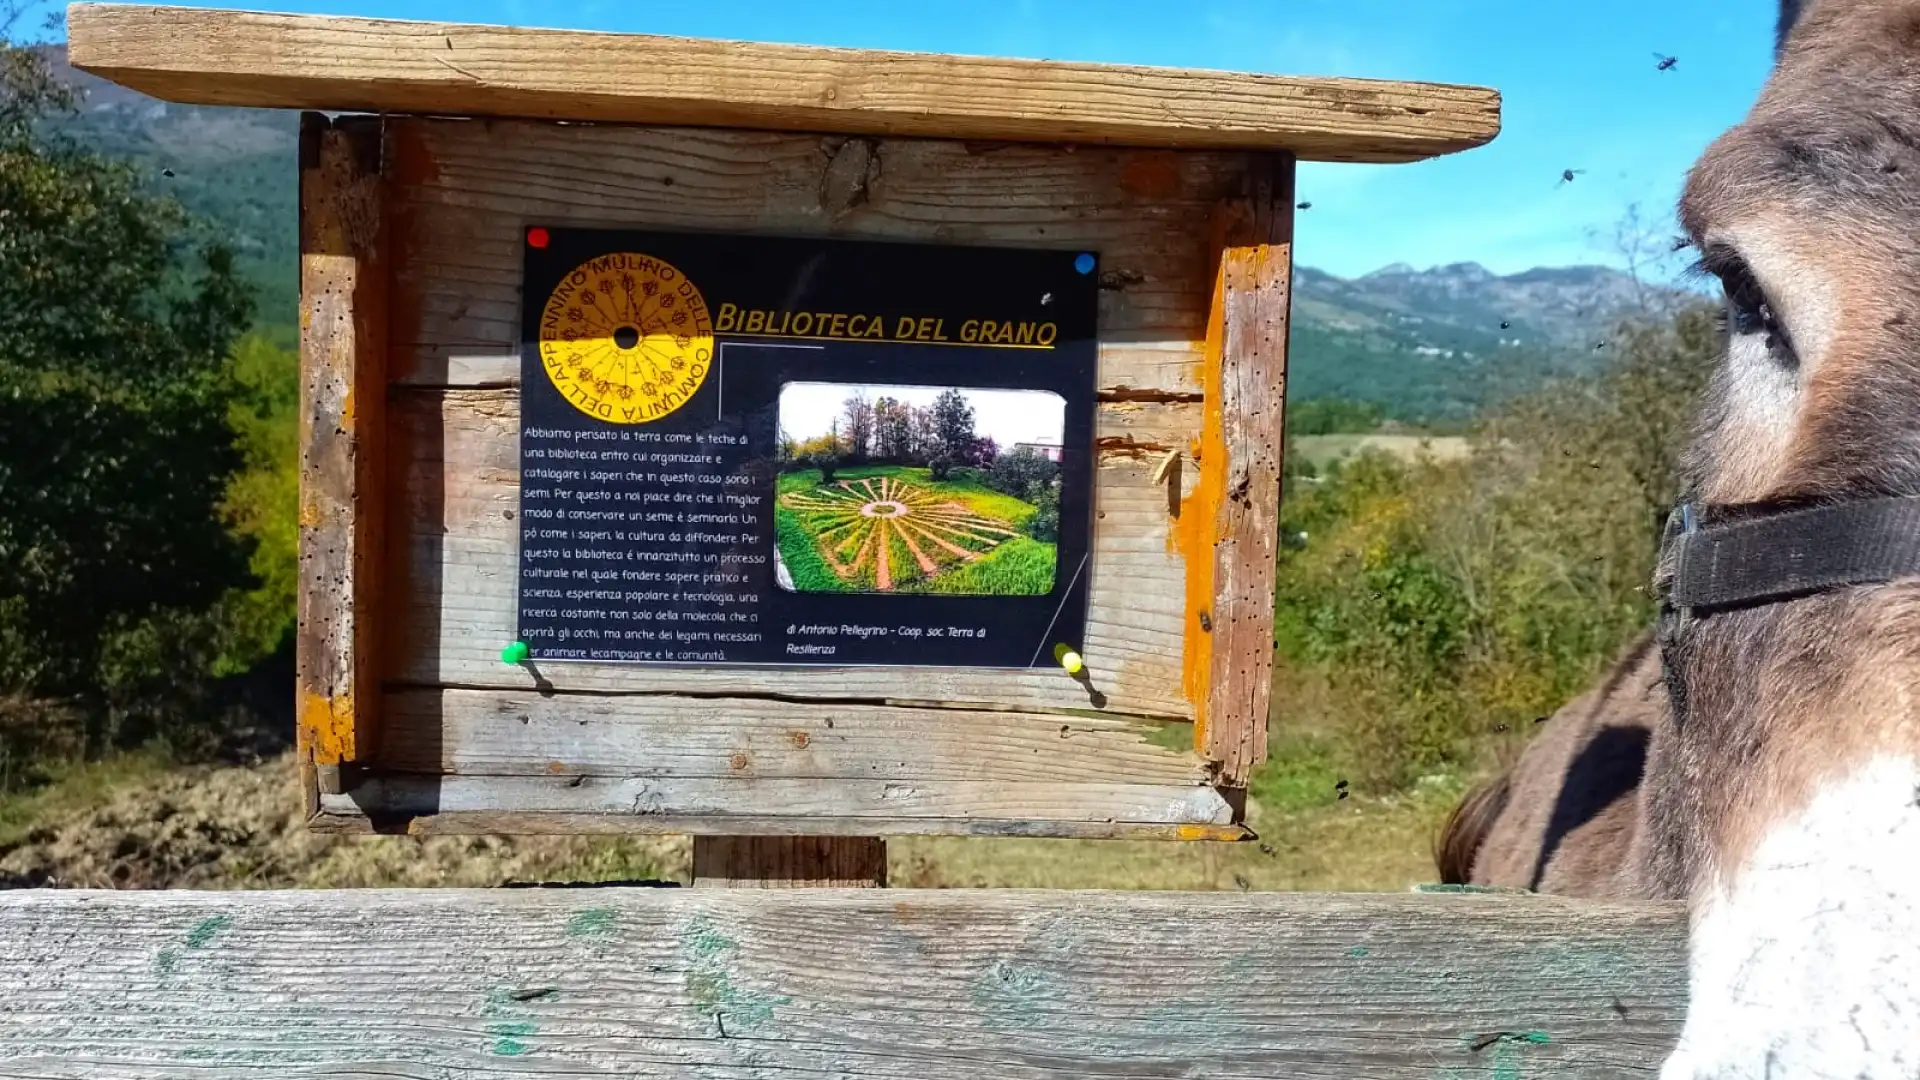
[1083,262]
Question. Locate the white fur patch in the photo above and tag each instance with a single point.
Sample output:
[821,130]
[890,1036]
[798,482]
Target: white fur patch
[1808,966]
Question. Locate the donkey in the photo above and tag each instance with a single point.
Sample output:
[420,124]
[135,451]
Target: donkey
[1759,755]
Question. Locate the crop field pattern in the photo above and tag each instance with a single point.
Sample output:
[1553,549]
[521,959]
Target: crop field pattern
[893,531]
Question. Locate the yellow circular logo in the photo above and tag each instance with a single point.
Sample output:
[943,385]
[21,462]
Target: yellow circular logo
[626,338]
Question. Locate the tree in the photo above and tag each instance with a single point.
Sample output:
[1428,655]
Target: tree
[893,430]
[820,452]
[262,503]
[952,431]
[1333,416]
[1020,471]
[924,440]
[115,447]
[984,450]
[858,413]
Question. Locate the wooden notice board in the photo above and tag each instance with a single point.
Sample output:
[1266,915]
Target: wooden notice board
[1093,260]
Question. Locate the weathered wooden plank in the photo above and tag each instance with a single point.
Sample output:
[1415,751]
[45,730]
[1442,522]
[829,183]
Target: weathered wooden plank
[1256,269]
[462,732]
[350,821]
[524,762]
[465,191]
[456,487]
[343,307]
[214,57]
[701,799]
[789,862]
[1000,984]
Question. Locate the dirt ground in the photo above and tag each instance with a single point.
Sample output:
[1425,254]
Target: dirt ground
[139,824]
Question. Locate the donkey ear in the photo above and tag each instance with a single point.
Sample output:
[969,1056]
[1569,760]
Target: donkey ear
[1789,15]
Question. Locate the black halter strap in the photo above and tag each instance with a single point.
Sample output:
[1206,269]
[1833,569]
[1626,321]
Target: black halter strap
[1763,555]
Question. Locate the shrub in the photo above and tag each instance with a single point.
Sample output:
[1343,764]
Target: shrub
[1449,603]
[1018,472]
[1044,525]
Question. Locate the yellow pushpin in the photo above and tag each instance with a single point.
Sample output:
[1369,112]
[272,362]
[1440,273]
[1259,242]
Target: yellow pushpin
[1068,659]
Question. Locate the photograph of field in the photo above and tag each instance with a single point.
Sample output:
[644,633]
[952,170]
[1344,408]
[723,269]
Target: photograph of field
[889,489]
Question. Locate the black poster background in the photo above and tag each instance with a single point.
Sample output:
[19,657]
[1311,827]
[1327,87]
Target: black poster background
[939,286]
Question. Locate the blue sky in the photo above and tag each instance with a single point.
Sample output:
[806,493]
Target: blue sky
[1578,81]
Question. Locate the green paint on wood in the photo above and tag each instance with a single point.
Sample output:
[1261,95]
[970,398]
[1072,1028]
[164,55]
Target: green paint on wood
[591,923]
[1358,952]
[507,1037]
[704,943]
[710,985]
[1621,967]
[166,961]
[203,934]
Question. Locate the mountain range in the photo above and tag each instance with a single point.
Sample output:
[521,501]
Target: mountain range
[1427,346]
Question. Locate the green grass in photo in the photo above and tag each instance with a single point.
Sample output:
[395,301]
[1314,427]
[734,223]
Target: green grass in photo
[891,528]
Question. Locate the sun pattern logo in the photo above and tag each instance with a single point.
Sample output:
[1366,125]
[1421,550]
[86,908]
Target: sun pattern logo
[626,338]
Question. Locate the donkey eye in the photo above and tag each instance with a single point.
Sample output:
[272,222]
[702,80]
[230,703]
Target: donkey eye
[1749,311]
[1747,304]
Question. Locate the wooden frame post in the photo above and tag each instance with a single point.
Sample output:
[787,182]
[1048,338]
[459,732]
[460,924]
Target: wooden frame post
[1232,525]
[343,389]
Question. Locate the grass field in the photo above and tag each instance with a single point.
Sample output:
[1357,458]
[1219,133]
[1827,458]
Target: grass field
[889,528]
[1322,449]
[140,822]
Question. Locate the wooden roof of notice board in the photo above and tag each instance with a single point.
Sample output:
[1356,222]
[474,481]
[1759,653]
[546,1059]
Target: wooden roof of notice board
[204,56]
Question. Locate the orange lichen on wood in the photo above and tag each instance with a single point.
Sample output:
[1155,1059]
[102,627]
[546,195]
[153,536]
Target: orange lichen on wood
[1197,529]
[325,728]
[1228,526]
[343,344]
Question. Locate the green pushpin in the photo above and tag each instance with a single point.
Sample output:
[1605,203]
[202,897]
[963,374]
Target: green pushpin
[515,653]
[1068,659]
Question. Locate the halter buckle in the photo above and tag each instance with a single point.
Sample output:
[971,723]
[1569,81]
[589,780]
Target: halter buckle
[1682,521]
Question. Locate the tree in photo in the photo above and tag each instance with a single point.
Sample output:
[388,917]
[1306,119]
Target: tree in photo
[924,437]
[1034,477]
[953,433]
[893,430]
[984,451]
[821,452]
[858,414]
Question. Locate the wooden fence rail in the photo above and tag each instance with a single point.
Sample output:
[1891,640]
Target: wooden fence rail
[671,982]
